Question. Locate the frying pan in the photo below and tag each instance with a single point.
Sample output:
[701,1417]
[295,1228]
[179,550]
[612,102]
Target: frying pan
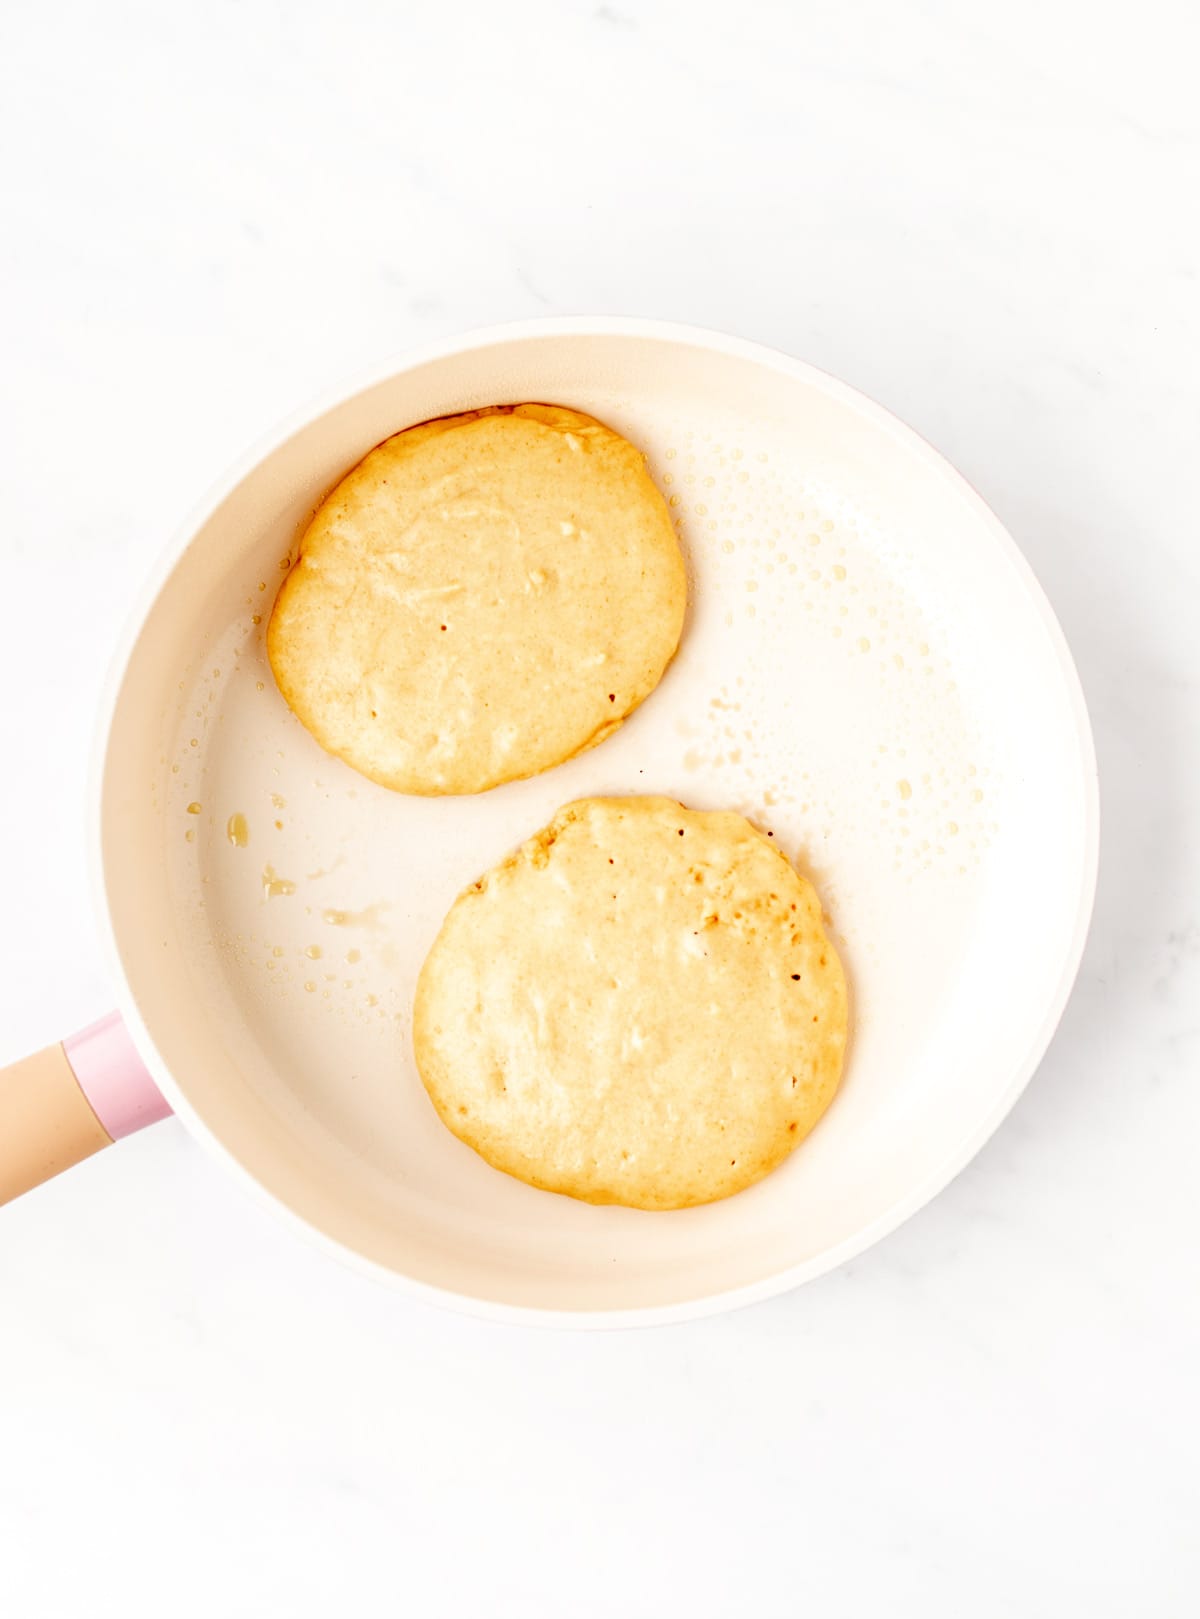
[868,670]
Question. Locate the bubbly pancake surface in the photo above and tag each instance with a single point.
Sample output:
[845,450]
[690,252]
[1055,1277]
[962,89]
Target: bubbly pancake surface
[639,1006]
[482,597]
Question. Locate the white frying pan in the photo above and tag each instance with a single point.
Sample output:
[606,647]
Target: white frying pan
[868,668]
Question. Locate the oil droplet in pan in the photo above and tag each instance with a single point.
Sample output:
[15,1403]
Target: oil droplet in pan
[193,808]
[313,952]
[368,918]
[275,886]
[237,831]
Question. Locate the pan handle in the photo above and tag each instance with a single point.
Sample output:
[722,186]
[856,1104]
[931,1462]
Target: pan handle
[66,1102]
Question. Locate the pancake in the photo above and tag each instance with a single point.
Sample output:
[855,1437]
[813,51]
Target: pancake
[639,1006]
[481,598]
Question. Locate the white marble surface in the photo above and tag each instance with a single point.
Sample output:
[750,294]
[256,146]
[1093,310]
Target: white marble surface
[984,216]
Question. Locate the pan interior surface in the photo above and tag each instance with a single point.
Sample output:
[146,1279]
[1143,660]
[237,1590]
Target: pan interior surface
[866,670]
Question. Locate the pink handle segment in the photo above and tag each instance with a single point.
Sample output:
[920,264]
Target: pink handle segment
[114,1078]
